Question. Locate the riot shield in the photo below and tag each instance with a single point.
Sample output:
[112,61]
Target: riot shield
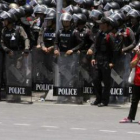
[86,74]
[18,74]
[67,78]
[2,75]
[42,70]
[120,74]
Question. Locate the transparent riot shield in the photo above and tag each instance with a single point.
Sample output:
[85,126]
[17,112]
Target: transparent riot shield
[67,75]
[2,75]
[18,74]
[120,74]
[42,70]
[86,74]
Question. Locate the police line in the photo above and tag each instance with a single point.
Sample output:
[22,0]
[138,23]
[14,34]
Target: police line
[67,75]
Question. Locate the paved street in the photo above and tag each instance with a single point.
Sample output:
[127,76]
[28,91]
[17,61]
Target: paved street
[52,121]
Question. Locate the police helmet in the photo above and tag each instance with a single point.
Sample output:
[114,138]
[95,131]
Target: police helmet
[76,10]
[51,16]
[133,14]
[96,15]
[104,2]
[66,17]
[21,11]
[135,5]
[111,5]
[13,5]
[85,12]
[120,2]
[28,9]
[118,17]
[125,9]
[4,7]
[17,12]
[88,3]
[80,19]
[113,21]
[39,9]
[8,16]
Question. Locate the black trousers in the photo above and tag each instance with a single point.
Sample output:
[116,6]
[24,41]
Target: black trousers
[103,74]
[134,102]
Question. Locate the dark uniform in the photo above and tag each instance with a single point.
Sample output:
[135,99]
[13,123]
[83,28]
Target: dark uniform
[26,23]
[86,69]
[103,49]
[47,37]
[46,40]
[68,40]
[87,36]
[136,30]
[128,44]
[12,40]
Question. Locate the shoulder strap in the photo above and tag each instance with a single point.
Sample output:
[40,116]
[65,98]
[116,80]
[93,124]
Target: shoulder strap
[107,38]
[127,32]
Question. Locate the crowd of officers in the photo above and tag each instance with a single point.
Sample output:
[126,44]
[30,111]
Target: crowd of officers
[103,29]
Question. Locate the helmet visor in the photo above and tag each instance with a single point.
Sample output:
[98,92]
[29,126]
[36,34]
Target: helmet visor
[107,7]
[4,15]
[65,17]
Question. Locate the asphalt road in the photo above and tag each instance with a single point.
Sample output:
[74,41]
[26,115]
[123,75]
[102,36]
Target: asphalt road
[50,121]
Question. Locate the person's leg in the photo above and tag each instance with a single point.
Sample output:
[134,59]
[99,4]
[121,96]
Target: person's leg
[98,86]
[134,102]
[106,72]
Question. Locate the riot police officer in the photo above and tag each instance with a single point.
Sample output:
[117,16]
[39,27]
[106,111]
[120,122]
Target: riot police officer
[134,16]
[85,51]
[66,40]
[40,12]
[103,59]
[9,39]
[46,43]
[26,23]
[125,39]
[13,38]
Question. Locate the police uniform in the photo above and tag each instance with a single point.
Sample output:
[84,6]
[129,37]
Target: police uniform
[26,23]
[136,30]
[128,44]
[103,50]
[68,40]
[15,39]
[36,26]
[46,37]
[86,69]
